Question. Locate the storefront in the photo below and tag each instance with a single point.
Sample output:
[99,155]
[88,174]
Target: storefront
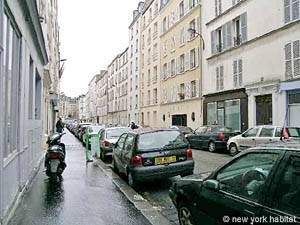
[228,109]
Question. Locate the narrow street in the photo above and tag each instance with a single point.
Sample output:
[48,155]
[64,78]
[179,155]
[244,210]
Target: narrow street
[86,196]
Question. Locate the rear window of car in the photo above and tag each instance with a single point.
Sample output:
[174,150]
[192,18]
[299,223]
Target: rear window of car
[161,140]
[294,132]
[116,133]
[95,128]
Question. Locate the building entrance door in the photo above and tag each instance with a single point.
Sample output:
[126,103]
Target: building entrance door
[179,120]
[264,115]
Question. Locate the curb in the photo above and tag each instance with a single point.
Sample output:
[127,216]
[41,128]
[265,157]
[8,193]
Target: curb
[148,211]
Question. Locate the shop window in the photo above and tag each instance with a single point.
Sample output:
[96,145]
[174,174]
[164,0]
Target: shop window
[211,113]
[233,115]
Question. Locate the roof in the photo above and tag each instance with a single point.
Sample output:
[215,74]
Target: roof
[291,144]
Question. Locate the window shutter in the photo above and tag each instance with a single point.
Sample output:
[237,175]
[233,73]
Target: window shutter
[287,11]
[229,34]
[235,75]
[197,88]
[187,61]
[244,26]
[222,77]
[217,79]
[288,61]
[240,67]
[213,42]
[224,37]
[296,57]
[186,6]
[197,56]
[295,9]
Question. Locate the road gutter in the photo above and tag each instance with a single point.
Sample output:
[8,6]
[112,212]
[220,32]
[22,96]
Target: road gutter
[151,213]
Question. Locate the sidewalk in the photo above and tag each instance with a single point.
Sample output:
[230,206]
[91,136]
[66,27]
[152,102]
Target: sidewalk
[86,196]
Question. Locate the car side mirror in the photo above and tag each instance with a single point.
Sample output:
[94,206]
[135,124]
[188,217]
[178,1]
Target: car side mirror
[212,185]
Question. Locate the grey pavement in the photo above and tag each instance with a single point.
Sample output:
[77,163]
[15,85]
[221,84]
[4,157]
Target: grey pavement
[86,196]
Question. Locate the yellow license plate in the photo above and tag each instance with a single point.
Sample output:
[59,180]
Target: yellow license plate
[164,160]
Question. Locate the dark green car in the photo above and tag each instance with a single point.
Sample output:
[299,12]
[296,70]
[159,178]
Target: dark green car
[212,138]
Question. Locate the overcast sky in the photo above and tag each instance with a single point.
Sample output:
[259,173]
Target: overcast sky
[92,33]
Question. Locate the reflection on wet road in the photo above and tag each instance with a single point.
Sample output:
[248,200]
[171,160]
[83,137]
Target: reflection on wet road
[85,197]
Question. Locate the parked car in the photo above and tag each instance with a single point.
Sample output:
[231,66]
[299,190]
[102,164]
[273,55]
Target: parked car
[77,130]
[258,135]
[183,129]
[91,129]
[261,182]
[212,138]
[147,155]
[108,138]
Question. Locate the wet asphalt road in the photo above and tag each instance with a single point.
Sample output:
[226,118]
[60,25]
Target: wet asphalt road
[85,197]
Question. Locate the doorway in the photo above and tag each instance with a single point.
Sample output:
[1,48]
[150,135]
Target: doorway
[179,120]
[264,115]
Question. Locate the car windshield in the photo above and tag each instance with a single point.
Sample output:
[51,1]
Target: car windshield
[116,132]
[185,129]
[95,128]
[161,140]
[201,129]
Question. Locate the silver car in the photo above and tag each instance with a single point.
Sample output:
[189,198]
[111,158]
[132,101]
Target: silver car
[259,135]
[108,138]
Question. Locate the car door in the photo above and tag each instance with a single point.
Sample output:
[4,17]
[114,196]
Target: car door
[127,151]
[117,152]
[241,183]
[265,136]
[282,204]
[247,139]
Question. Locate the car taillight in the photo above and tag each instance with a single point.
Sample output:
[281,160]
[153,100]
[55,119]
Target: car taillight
[54,155]
[221,137]
[189,153]
[106,143]
[137,161]
[285,133]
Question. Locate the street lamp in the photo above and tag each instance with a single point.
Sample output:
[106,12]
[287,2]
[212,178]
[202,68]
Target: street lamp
[192,31]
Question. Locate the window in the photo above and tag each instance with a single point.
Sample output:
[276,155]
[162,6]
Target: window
[143,42]
[149,36]
[266,132]
[149,77]
[232,114]
[173,43]
[11,72]
[218,7]
[155,96]
[120,143]
[192,27]
[193,88]
[237,31]
[148,97]
[212,113]
[192,58]
[136,45]
[164,25]
[237,73]
[292,59]
[129,142]
[181,63]
[247,175]
[182,36]
[287,192]
[172,67]
[251,132]
[165,48]
[149,56]
[181,92]
[291,10]
[136,64]
[220,78]
[150,15]
[181,9]
[192,3]
[155,52]
[154,73]
[165,71]
[155,30]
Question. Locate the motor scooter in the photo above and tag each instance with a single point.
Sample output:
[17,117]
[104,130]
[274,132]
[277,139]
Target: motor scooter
[55,157]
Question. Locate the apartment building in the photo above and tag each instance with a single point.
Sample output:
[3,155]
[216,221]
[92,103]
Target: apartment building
[150,64]
[118,89]
[82,108]
[180,67]
[134,64]
[102,97]
[252,62]
[23,56]
[68,107]
[92,99]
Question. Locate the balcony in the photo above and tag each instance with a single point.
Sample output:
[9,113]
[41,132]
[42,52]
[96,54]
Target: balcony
[237,40]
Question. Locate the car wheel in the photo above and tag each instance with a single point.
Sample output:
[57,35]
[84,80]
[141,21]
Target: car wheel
[212,146]
[185,215]
[233,149]
[131,181]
